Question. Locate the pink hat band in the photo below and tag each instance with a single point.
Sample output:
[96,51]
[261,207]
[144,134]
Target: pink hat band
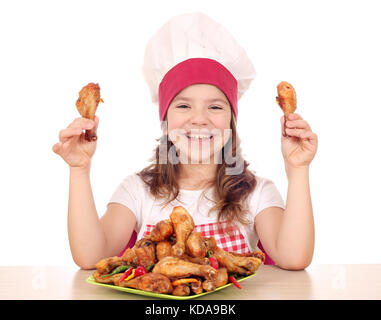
[192,71]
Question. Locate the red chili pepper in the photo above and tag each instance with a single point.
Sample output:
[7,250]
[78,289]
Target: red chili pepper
[213,263]
[235,282]
[139,271]
[126,274]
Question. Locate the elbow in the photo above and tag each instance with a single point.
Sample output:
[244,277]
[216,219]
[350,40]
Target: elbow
[84,265]
[295,265]
[296,261]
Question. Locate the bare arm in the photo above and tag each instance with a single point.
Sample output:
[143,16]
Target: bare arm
[288,235]
[92,239]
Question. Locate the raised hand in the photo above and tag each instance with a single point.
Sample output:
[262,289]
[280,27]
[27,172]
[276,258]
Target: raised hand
[299,146]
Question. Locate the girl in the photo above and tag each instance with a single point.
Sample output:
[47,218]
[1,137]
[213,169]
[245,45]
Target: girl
[198,162]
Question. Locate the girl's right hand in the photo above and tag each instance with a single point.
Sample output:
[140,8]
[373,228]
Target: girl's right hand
[73,146]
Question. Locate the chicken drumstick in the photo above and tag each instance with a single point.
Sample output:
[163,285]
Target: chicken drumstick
[286,99]
[87,103]
[162,231]
[183,224]
[198,246]
[241,265]
[173,267]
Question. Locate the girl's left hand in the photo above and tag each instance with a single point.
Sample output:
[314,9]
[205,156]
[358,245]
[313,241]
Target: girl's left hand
[300,145]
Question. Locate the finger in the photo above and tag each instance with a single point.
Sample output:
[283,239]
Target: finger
[282,119]
[96,121]
[91,135]
[57,147]
[301,133]
[311,136]
[83,123]
[294,116]
[68,133]
[298,124]
[294,132]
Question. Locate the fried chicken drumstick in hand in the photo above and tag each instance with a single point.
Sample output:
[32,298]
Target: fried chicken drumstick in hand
[286,99]
[87,103]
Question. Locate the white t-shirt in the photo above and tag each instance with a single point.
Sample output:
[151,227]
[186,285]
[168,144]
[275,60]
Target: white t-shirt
[135,195]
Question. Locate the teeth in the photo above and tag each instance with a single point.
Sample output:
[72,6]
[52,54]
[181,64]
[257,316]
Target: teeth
[199,136]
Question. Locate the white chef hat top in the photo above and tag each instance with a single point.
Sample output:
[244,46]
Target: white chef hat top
[194,35]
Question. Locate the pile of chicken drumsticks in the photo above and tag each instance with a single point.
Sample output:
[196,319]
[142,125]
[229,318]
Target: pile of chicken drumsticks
[180,262]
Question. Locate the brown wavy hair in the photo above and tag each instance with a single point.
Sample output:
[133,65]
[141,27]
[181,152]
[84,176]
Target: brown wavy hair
[230,190]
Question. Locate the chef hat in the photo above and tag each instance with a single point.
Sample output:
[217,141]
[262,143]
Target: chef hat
[192,48]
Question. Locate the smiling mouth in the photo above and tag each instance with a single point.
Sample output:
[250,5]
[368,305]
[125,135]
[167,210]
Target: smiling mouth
[199,138]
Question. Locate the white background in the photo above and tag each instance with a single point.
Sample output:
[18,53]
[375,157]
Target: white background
[329,50]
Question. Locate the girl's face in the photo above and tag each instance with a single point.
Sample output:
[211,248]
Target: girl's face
[198,123]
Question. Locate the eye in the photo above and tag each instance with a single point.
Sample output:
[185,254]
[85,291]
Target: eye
[183,106]
[216,107]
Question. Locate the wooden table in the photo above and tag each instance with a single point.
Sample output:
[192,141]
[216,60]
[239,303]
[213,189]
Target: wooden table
[316,282]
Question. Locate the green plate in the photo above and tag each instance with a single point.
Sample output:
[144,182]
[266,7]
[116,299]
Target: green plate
[160,295]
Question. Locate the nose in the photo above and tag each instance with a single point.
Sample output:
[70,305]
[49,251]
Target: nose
[199,117]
